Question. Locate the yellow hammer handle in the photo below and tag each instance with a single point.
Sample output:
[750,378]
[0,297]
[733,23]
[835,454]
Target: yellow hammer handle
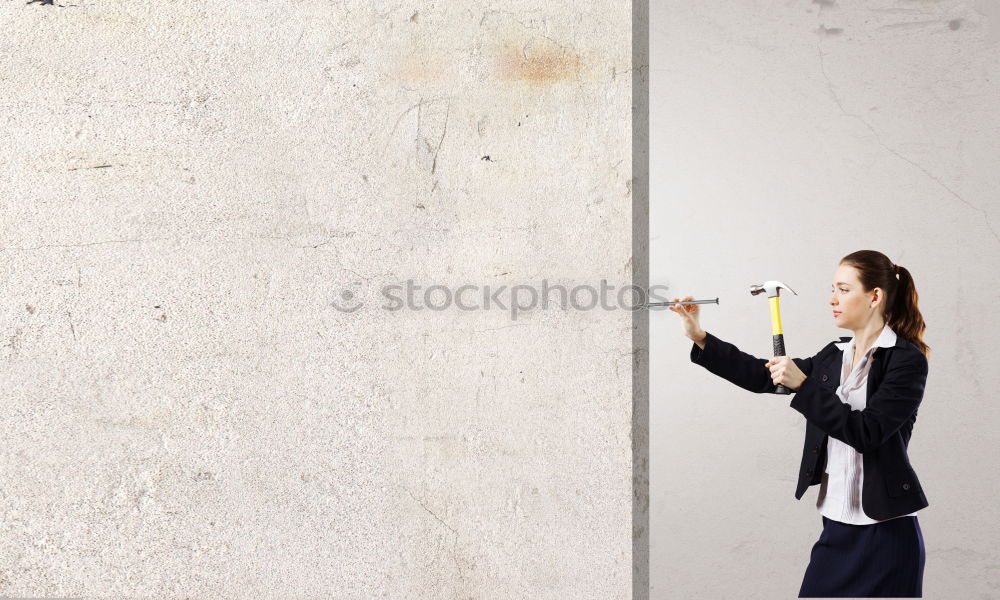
[775,315]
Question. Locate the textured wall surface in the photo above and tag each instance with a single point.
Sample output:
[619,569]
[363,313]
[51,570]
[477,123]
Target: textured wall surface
[785,135]
[193,195]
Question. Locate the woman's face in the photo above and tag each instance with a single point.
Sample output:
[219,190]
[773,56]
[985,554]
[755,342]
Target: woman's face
[852,306]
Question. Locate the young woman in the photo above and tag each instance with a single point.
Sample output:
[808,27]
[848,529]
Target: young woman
[859,397]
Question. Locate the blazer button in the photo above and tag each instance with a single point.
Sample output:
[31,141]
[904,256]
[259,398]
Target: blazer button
[906,486]
[824,377]
[808,473]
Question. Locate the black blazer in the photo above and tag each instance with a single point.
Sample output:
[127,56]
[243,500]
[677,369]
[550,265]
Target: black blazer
[880,432]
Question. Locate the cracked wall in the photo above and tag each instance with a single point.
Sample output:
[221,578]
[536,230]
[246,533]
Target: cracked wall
[785,136]
[202,396]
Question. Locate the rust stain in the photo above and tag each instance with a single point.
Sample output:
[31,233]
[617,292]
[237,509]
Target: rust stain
[538,63]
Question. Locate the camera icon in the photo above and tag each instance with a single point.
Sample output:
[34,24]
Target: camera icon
[347,300]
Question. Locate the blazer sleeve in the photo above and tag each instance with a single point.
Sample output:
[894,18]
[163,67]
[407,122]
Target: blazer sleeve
[738,367]
[889,407]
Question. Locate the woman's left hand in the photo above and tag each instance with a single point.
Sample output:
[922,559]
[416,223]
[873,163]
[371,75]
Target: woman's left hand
[785,372]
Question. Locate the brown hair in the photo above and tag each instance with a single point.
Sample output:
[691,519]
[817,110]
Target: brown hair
[900,309]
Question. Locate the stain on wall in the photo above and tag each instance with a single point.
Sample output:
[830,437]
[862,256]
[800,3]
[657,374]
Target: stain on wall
[538,62]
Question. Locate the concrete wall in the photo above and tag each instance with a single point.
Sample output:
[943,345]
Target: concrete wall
[194,196]
[785,135]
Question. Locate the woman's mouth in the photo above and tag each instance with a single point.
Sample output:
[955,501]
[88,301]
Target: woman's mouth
[836,314]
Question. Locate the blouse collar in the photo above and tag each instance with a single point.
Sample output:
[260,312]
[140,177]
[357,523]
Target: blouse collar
[886,339]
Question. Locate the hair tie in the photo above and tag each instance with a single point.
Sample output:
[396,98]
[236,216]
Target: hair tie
[895,266]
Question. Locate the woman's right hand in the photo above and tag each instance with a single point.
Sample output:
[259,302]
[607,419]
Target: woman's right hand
[689,314]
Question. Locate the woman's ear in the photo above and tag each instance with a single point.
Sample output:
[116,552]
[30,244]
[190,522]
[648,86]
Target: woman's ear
[876,297]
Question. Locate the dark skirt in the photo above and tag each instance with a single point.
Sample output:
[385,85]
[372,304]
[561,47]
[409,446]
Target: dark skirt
[880,560]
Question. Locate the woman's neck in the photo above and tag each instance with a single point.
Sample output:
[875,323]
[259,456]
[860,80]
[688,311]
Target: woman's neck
[866,336]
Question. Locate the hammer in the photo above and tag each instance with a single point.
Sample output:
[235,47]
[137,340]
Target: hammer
[772,288]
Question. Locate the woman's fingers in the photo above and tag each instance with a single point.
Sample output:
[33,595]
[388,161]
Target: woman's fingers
[686,311]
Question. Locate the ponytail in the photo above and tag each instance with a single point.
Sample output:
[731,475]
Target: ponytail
[904,315]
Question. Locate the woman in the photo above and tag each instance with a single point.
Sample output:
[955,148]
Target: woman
[859,397]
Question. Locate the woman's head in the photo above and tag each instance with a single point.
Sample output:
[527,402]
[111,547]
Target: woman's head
[867,285]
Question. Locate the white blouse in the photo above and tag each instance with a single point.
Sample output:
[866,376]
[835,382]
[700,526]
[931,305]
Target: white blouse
[840,490]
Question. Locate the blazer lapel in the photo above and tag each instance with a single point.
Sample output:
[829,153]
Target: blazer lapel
[829,366]
[878,366]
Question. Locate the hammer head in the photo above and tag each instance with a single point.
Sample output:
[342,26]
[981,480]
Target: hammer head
[771,287]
